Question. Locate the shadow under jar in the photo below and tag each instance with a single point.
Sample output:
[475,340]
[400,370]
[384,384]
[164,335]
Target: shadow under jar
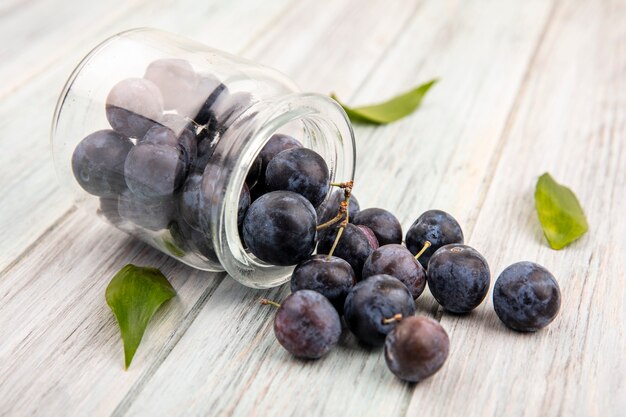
[156,134]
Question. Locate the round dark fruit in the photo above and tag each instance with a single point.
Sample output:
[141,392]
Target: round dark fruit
[371,303]
[154,171]
[355,244]
[301,171]
[175,78]
[185,141]
[150,214]
[330,207]
[458,277]
[435,226]
[98,163]
[416,348]
[307,324]
[279,228]
[526,297]
[332,277]
[384,224]
[133,106]
[397,261]
[277,143]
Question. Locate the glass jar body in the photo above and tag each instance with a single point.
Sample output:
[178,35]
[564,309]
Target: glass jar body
[178,127]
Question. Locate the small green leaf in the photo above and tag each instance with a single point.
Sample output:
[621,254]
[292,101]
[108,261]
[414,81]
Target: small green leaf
[135,294]
[561,216]
[389,111]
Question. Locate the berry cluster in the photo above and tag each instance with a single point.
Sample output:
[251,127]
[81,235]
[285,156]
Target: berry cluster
[363,272]
[152,170]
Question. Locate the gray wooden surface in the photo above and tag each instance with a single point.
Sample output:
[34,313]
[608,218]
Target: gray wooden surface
[526,87]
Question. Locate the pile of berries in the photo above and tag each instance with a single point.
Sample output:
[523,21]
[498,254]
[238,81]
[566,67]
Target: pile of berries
[363,273]
[154,170]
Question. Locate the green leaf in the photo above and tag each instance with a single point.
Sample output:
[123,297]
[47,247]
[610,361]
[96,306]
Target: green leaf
[561,216]
[135,294]
[388,111]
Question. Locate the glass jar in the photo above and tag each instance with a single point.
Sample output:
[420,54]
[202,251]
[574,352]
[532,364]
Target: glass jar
[222,110]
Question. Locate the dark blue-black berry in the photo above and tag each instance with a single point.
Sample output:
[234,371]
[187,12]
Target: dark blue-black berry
[435,226]
[98,163]
[151,214]
[397,261]
[355,244]
[185,140]
[133,106]
[458,277]
[307,324]
[275,145]
[383,223]
[301,171]
[154,171]
[332,277]
[371,303]
[177,81]
[526,297]
[279,228]
[416,348]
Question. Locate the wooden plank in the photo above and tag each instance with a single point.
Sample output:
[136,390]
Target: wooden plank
[480,51]
[35,33]
[27,175]
[81,381]
[569,121]
[61,352]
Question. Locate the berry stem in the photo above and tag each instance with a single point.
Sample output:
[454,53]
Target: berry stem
[395,318]
[427,245]
[345,205]
[339,233]
[265,301]
[343,208]
[334,220]
[347,184]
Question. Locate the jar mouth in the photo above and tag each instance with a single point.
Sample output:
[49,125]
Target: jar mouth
[323,127]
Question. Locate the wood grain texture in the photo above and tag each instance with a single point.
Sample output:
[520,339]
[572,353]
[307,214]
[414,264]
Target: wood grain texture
[61,352]
[526,87]
[570,122]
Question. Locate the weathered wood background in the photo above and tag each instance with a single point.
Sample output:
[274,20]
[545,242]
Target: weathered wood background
[526,87]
